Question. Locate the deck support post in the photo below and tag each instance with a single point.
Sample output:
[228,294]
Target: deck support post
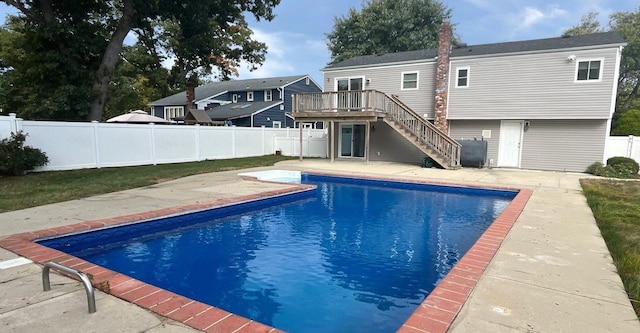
[300,125]
[332,146]
[367,145]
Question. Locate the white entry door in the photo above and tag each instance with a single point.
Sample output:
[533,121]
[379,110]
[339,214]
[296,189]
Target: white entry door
[510,143]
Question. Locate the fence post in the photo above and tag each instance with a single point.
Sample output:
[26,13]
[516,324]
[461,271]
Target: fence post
[13,123]
[630,147]
[198,142]
[153,143]
[264,148]
[96,139]
[233,141]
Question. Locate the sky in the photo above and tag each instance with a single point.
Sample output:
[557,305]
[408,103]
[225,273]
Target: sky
[297,44]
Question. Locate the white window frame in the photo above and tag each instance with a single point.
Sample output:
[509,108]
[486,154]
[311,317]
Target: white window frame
[173,112]
[468,77]
[589,60]
[307,125]
[276,124]
[268,95]
[306,80]
[234,98]
[402,81]
[249,96]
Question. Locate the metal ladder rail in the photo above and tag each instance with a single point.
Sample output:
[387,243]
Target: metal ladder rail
[91,299]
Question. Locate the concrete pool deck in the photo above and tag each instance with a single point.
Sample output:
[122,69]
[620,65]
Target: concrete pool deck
[552,273]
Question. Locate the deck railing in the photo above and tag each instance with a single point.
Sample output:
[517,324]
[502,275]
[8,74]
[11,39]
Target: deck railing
[447,149]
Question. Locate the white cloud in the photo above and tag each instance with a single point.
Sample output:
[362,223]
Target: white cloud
[288,53]
[530,16]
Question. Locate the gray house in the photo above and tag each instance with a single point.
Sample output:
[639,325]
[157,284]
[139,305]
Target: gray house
[248,103]
[540,104]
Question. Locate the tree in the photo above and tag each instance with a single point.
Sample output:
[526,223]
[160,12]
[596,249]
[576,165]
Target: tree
[588,24]
[88,35]
[628,123]
[385,26]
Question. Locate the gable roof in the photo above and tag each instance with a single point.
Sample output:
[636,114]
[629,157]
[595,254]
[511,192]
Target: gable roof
[239,110]
[197,116]
[596,39]
[217,88]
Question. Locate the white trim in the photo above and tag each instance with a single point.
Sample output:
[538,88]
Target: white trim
[402,74]
[349,78]
[276,122]
[614,94]
[234,98]
[579,60]
[178,111]
[270,99]
[249,96]
[458,69]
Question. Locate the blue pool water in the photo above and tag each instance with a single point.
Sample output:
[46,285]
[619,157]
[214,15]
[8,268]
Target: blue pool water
[350,256]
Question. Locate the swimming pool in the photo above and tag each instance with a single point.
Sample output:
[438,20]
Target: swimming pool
[365,276]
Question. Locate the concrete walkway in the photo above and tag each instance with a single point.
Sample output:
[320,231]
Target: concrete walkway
[553,272]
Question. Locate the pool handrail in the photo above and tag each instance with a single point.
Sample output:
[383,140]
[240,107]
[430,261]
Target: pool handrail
[46,284]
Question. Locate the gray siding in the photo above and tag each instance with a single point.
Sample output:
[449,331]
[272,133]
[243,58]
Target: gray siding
[469,130]
[388,79]
[532,86]
[563,145]
[557,145]
[390,145]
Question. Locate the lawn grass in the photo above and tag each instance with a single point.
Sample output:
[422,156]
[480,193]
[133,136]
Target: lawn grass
[616,207]
[41,188]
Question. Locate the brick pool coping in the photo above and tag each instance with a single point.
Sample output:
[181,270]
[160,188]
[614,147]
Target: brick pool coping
[435,314]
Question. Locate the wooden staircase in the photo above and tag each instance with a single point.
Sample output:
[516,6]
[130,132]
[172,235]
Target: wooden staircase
[371,105]
[436,144]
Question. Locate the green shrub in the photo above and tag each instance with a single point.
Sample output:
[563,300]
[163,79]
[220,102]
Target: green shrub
[16,158]
[628,123]
[617,167]
[624,163]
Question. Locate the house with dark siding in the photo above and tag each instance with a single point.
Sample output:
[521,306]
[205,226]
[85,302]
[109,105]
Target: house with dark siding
[248,103]
[544,104]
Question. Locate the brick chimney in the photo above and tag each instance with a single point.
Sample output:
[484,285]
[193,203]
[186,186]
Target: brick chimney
[442,77]
[191,96]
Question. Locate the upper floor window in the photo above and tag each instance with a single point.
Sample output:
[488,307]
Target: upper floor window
[410,80]
[589,70]
[171,112]
[268,97]
[306,80]
[234,98]
[462,77]
[249,96]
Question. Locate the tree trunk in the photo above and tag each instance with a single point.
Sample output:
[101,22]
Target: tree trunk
[109,62]
[627,103]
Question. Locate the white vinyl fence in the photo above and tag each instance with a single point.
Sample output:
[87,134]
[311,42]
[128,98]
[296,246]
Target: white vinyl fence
[80,145]
[626,146]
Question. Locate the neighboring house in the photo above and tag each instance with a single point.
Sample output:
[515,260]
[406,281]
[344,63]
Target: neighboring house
[248,103]
[540,104]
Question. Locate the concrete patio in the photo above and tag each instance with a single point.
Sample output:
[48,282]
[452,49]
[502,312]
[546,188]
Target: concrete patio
[553,272]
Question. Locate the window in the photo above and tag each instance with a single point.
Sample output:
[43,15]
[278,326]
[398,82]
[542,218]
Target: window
[306,80]
[277,124]
[171,112]
[249,96]
[410,80]
[589,70]
[268,97]
[234,98]
[462,79]
[307,125]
